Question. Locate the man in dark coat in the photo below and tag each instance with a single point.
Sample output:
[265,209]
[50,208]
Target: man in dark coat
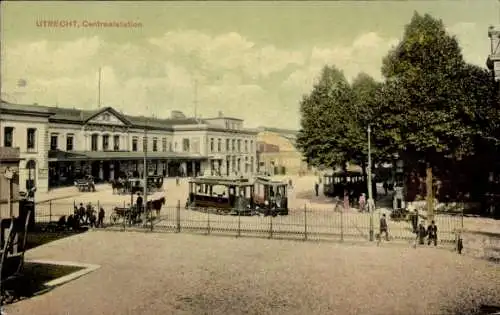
[316,188]
[422,233]
[138,202]
[432,233]
[383,227]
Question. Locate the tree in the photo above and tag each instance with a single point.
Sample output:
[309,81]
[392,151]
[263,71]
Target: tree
[433,104]
[323,113]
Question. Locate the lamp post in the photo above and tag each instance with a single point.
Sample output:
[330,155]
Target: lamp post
[9,175]
[369,181]
[145,147]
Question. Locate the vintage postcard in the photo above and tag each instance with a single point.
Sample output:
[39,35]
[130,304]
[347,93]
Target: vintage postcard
[250,157]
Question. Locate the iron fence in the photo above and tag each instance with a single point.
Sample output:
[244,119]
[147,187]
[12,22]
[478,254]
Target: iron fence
[305,223]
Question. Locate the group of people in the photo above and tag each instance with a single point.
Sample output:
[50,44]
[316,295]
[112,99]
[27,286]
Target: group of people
[421,232]
[86,215]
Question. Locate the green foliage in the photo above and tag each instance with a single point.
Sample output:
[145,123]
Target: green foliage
[432,106]
[323,116]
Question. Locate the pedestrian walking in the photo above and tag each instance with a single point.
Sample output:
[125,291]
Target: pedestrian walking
[177,180]
[101,215]
[432,233]
[422,233]
[316,188]
[362,202]
[346,200]
[383,228]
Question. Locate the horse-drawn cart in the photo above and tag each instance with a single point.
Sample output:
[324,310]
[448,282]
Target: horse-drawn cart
[85,184]
[129,215]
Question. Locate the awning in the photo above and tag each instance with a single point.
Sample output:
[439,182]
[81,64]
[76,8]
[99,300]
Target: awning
[55,156]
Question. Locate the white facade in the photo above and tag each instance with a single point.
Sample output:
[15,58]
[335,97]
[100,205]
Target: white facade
[28,131]
[101,142]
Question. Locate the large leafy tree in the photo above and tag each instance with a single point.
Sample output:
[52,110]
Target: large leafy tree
[434,107]
[323,115]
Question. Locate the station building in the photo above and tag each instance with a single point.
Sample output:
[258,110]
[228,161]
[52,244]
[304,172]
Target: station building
[58,145]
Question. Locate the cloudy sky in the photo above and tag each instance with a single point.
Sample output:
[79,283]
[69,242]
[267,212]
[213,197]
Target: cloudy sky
[252,60]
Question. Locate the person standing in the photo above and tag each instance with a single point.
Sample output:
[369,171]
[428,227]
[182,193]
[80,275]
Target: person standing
[432,234]
[383,227]
[100,220]
[316,188]
[362,202]
[139,202]
[346,200]
[422,233]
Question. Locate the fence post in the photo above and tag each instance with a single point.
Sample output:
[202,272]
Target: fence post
[341,224]
[239,224]
[305,222]
[208,221]
[271,226]
[50,210]
[178,216]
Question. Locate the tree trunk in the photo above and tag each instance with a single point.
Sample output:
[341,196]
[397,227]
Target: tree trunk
[430,195]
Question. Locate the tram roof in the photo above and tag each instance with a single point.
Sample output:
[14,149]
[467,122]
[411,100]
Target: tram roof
[342,173]
[224,181]
[269,180]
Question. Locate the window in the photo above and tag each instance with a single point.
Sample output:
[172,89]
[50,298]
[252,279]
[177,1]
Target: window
[239,145]
[94,142]
[31,139]
[211,144]
[227,124]
[105,142]
[251,146]
[116,142]
[170,146]
[185,145]
[251,164]
[69,142]
[134,144]
[155,144]
[239,165]
[233,145]
[246,146]
[227,145]
[219,144]
[53,141]
[144,144]
[164,144]
[8,137]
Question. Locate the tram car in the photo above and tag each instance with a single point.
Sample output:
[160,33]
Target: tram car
[226,194]
[271,196]
[334,185]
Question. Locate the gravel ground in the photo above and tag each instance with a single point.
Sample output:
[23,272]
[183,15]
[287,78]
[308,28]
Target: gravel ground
[146,273]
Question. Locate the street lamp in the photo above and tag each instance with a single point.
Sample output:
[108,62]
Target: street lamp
[9,175]
[370,190]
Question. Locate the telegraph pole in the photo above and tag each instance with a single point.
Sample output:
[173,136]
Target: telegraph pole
[145,148]
[99,90]
[370,189]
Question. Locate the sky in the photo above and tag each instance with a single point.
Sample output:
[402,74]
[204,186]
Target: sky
[252,60]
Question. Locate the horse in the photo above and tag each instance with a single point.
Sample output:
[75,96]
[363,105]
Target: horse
[117,186]
[156,205]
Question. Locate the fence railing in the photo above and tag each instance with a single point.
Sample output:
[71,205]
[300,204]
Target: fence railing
[305,223]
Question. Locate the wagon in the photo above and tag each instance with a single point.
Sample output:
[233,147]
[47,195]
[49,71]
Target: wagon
[130,214]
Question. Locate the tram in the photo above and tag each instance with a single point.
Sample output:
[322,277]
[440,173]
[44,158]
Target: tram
[271,196]
[334,185]
[222,193]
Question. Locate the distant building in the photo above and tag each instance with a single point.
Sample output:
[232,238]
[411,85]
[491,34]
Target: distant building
[59,145]
[493,62]
[277,153]
[9,161]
